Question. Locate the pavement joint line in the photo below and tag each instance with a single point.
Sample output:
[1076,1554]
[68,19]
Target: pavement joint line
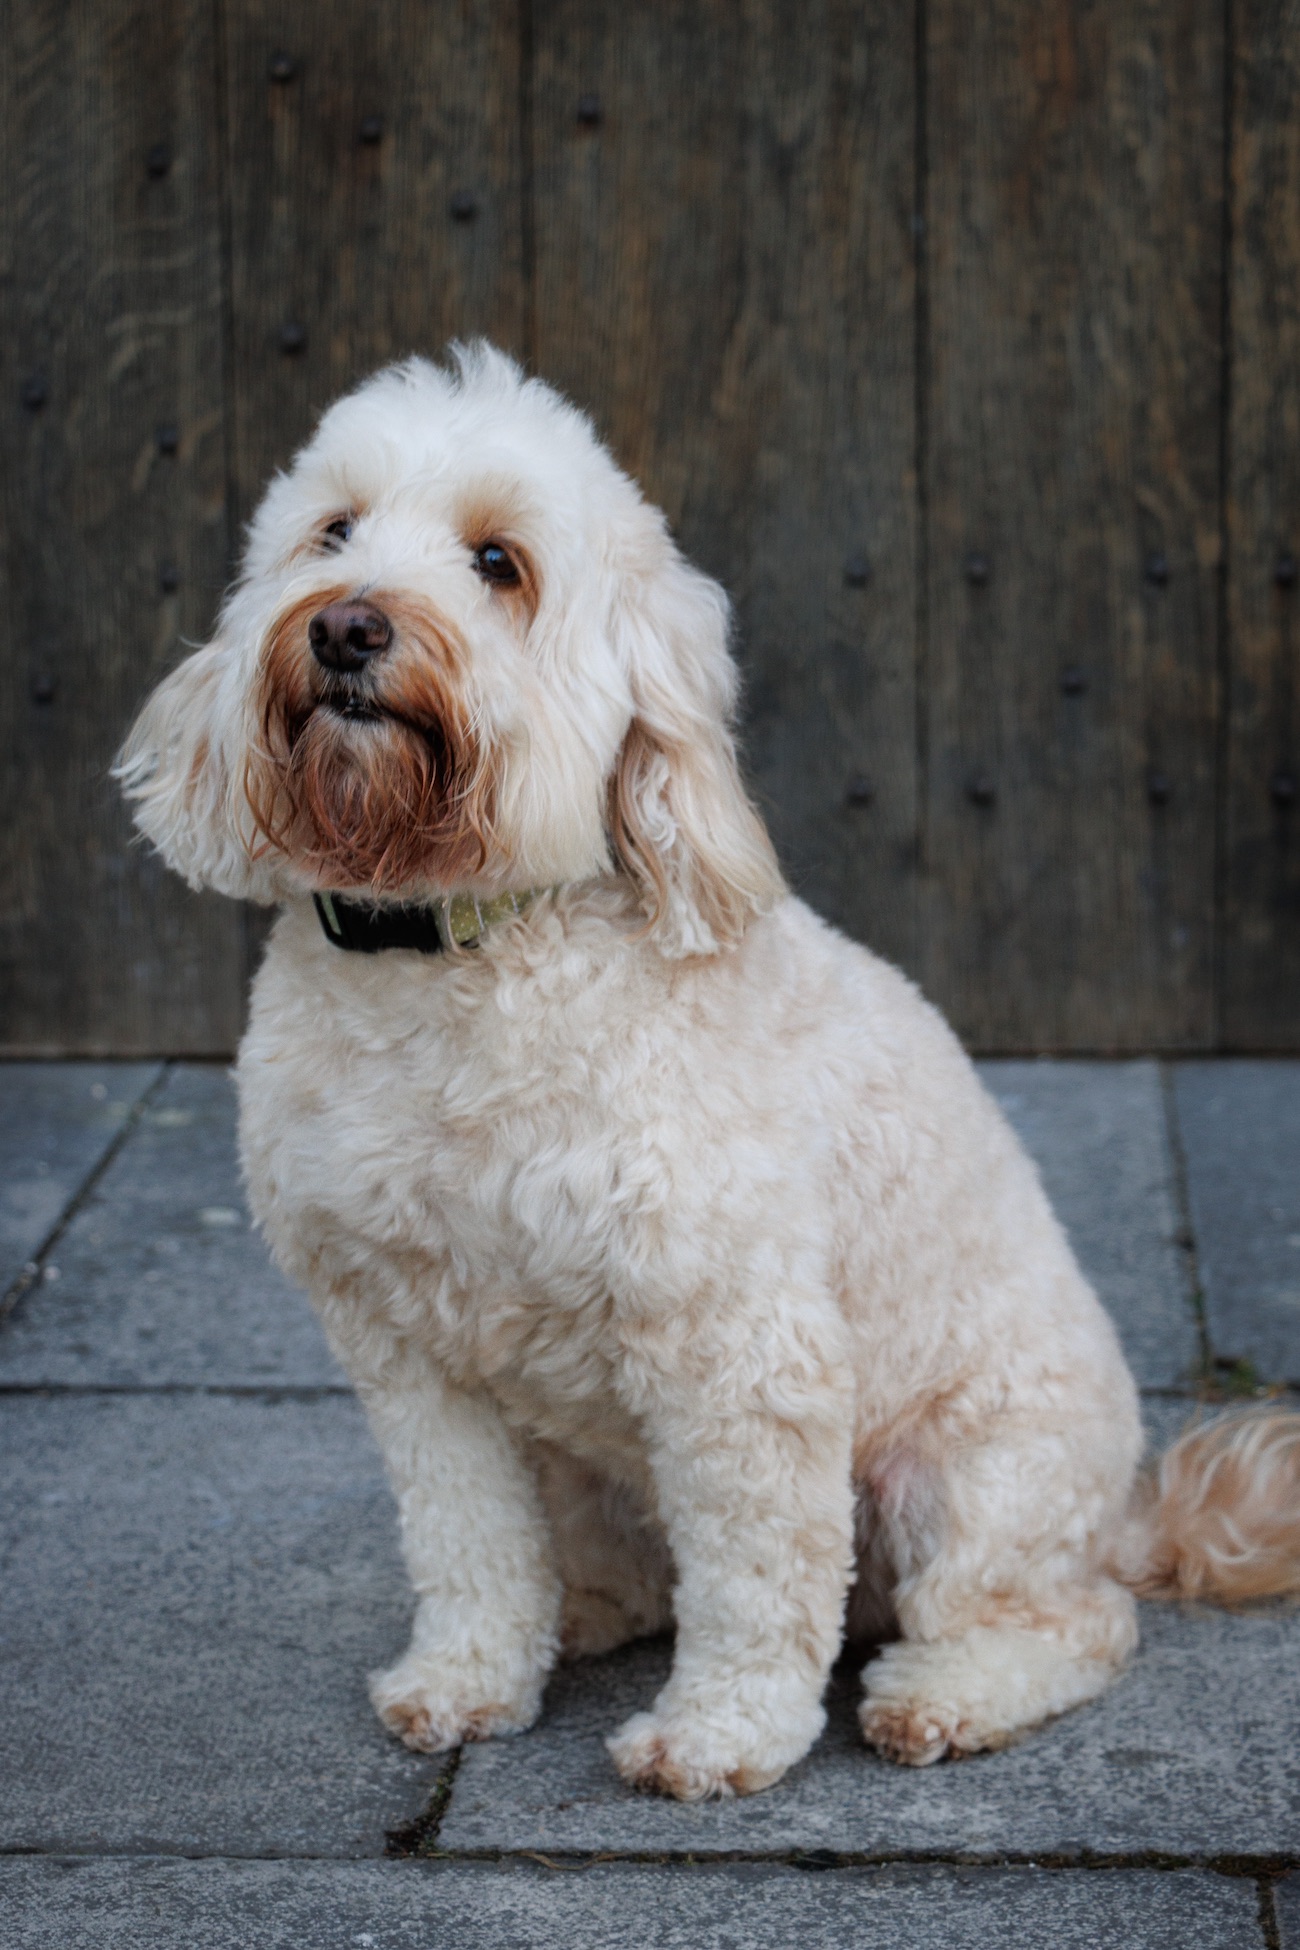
[1265,1870]
[1194,1395]
[1240,1868]
[1270,1927]
[414,1837]
[35,1266]
[240,1391]
[1186,1229]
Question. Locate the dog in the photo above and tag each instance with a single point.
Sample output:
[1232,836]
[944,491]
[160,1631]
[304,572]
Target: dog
[687,1273]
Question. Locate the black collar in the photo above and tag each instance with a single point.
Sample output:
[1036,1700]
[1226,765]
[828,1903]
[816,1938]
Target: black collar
[364,929]
[460,921]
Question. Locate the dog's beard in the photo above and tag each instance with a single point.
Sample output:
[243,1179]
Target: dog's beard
[375,779]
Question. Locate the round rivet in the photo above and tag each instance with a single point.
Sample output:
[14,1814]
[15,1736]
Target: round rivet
[159,159]
[169,439]
[169,578]
[1073,681]
[977,570]
[283,67]
[372,128]
[590,112]
[43,688]
[980,790]
[293,337]
[34,391]
[857,571]
[1156,570]
[1285,571]
[463,206]
[859,791]
[1282,786]
[1158,788]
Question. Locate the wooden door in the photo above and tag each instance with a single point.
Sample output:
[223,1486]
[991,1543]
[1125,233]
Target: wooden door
[959,343]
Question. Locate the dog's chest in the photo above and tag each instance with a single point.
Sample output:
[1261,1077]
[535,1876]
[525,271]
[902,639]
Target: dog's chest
[470,1188]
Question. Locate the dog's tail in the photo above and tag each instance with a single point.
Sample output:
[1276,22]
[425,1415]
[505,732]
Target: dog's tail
[1218,1515]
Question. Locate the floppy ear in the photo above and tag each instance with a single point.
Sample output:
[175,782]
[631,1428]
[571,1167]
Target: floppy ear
[175,770]
[680,821]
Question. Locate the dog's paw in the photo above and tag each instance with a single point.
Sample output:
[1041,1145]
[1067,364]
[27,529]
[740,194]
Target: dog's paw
[591,1624]
[432,1706]
[968,1695]
[694,1754]
[917,1735]
[686,1756]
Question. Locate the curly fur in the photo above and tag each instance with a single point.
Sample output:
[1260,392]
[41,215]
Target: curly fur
[685,1269]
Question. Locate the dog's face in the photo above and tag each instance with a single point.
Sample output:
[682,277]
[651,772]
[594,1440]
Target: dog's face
[463,654]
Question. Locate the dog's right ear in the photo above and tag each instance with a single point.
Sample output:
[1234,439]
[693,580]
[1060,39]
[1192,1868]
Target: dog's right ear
[175,770]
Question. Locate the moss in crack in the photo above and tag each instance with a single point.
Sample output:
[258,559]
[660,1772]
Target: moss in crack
[1234,1378]
[419,1836]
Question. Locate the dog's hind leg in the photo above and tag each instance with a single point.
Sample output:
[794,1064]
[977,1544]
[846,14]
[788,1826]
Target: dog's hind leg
[1006,1615]
[983,1686]
[612,1556]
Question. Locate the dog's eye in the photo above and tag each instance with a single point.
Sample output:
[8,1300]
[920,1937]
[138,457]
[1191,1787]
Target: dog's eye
[495,564]
[337,531]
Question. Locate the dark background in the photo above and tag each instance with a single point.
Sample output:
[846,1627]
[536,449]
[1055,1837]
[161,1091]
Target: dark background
[959,339]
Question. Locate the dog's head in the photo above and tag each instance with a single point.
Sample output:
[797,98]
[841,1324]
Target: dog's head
[463,654]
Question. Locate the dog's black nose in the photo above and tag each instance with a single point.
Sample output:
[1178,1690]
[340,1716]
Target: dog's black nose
[344,636]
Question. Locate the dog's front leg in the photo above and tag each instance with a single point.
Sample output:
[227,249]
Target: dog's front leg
[753,1482]
[477,1547]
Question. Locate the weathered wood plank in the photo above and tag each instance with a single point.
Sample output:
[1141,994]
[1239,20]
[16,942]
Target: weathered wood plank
[377,206]
[1261,923]
[723,199]
[114,538]
[1075,208]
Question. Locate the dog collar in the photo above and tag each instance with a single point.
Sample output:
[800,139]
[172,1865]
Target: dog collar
[460,921]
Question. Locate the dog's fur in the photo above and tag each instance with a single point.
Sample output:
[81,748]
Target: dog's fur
[685,1269]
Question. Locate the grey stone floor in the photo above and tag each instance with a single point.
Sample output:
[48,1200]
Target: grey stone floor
[200,1564]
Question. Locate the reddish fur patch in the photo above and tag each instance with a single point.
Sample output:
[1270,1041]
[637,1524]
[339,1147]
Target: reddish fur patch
[401,797]
[917,1736]
[1219,1517]
[639,857]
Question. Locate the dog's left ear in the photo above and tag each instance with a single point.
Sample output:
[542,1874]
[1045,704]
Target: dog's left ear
[679,818]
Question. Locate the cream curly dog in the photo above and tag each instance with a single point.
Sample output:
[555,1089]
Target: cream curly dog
[686,1271]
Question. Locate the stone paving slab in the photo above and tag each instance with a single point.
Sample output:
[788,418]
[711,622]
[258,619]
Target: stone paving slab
[194,1587]
[56,1122]
[1288,1912]
[1240,1124]
[1193,1753]
[82,1905]
[1097,1132]
[161,1279]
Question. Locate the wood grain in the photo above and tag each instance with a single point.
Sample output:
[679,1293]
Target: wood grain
[113,550]
[1261,919]
[356,244]
[724,272]
[1075,206]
